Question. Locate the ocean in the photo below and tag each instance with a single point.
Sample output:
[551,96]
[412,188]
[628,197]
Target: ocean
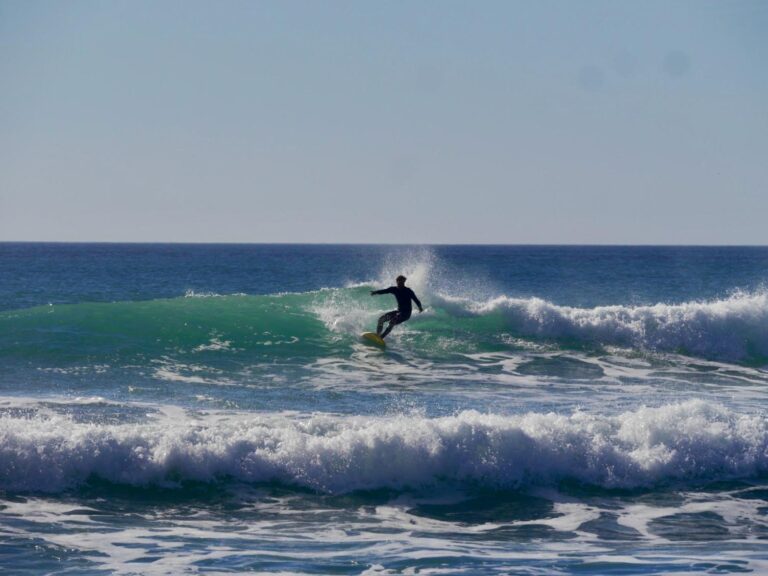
[212,409]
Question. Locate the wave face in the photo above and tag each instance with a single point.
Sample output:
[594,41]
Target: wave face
[693,441]
[194,323]
[316,324]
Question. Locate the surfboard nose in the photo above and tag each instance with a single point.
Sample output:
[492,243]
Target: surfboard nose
[373,338]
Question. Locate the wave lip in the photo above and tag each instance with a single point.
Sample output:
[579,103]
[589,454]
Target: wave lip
[693,441]
[735,328]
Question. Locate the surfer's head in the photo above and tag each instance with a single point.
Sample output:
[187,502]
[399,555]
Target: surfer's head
[400,280]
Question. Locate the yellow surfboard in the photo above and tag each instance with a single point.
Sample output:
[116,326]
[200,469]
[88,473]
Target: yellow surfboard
[374,338]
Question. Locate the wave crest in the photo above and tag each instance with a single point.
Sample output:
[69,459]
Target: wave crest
[735,328]
[691,441]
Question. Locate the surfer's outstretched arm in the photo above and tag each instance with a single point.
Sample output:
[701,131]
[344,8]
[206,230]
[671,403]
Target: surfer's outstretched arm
[384,291]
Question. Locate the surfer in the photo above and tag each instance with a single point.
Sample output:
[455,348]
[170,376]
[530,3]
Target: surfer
[404,296]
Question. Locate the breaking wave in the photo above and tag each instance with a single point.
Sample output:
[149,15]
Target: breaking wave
[693,441]
[735,328]
[315,324]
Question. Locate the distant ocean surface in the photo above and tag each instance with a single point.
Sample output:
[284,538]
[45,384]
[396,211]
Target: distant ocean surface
[182,409]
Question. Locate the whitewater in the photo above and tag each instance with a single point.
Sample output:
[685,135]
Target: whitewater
[169,409]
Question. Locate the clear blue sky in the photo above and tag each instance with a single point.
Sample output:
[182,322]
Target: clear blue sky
[361,121]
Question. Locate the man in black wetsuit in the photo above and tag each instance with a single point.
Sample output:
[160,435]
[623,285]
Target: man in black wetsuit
[404,296]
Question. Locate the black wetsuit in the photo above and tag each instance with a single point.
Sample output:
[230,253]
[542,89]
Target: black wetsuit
[404,296]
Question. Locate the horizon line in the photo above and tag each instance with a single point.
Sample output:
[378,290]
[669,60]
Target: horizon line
[279,243]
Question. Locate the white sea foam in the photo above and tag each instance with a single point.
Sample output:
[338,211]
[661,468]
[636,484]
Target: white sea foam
[417,265]
[342,314]
[193,294]
[215,344]
[173,371]
[734,328]
[692,441]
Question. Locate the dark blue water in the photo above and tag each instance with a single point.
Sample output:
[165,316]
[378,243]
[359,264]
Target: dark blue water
[41,273]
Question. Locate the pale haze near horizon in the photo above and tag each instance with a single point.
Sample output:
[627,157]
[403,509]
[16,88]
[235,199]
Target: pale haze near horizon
[384,122]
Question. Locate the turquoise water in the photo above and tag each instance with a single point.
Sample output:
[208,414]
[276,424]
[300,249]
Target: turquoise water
[170,409]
